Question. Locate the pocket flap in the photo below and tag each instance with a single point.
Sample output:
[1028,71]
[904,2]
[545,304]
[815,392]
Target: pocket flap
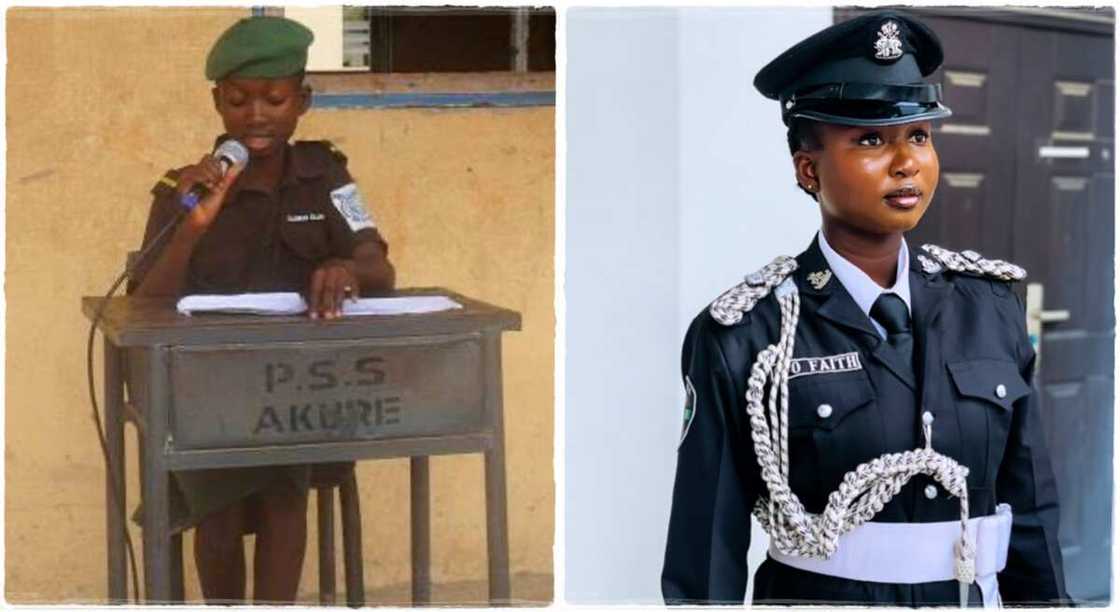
[824,401]
[989,379]
[306,235]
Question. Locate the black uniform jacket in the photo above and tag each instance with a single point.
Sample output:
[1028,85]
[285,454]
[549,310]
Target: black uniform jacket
[969,337]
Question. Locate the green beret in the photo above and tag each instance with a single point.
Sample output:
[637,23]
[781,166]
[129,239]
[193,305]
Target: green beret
[259,47]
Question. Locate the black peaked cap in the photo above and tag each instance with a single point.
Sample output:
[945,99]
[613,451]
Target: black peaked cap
[864,71]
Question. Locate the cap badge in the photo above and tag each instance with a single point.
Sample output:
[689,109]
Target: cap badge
[819,279]
[888,46]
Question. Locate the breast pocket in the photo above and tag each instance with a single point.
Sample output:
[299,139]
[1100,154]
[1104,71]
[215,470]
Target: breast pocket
[306,235]
[832,428]
[986,391]
[220,260]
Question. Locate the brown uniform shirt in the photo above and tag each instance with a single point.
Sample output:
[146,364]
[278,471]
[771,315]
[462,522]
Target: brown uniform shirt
[270,241]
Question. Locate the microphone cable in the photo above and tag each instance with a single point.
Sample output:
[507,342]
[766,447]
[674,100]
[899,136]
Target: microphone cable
[118,487]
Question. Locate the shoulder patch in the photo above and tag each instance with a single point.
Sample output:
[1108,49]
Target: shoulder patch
[689,409]
[968,262]
[349,203]
[730,306]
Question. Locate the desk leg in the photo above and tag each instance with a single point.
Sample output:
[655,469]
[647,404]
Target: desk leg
[421,532]
[115,522]
[497,535]
[352,542]
[154,486]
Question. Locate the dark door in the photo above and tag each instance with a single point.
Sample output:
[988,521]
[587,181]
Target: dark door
[1026,175]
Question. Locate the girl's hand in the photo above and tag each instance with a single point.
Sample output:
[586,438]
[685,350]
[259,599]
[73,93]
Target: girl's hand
[208,173]
[331,283]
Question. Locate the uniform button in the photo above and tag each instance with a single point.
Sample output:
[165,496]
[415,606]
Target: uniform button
[927,418]
[824,411]
[931,492]
[1001,391]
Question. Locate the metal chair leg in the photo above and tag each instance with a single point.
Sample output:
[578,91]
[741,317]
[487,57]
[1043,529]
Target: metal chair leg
[324,496]
[178,592]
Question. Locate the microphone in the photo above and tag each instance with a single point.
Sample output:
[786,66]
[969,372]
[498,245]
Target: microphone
[229,154]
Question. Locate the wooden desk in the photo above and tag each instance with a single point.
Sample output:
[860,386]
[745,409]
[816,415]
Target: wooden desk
[211,391]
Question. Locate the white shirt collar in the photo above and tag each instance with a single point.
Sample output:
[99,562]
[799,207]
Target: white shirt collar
[860,286]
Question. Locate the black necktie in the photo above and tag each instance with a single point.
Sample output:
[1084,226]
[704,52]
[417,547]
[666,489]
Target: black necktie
[891,312]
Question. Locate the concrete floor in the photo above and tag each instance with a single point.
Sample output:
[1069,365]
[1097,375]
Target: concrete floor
[528,590]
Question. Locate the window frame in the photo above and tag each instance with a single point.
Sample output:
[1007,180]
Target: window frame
[350,89]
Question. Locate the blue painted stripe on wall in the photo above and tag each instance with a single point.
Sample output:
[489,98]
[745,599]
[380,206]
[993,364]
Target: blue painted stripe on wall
[435,100]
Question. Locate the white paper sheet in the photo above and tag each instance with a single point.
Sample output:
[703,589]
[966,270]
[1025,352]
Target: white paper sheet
[415,304]
[247,303]
[292,303]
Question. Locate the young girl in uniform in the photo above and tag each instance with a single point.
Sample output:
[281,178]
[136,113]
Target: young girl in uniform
[868,401]
[291,219]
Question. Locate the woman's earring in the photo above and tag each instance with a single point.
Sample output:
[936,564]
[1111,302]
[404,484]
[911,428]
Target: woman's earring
[811,187]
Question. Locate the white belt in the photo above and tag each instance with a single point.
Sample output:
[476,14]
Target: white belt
[912,553]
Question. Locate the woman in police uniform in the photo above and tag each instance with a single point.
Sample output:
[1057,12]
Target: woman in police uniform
[869,402]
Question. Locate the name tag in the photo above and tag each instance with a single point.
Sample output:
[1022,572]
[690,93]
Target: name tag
[830,364]
[305,217]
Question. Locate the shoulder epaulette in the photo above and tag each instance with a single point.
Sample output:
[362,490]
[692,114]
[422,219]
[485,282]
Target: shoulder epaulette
[968,262]
[166,183]
[730,306]
[339,155]
[322,148]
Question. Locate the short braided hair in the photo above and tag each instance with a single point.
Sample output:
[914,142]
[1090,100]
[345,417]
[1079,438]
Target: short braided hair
[802,136]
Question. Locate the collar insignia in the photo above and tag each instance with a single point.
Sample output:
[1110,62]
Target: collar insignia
[819,279]
[888,46]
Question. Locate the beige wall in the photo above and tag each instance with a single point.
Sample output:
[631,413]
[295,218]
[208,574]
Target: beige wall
[100,103]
